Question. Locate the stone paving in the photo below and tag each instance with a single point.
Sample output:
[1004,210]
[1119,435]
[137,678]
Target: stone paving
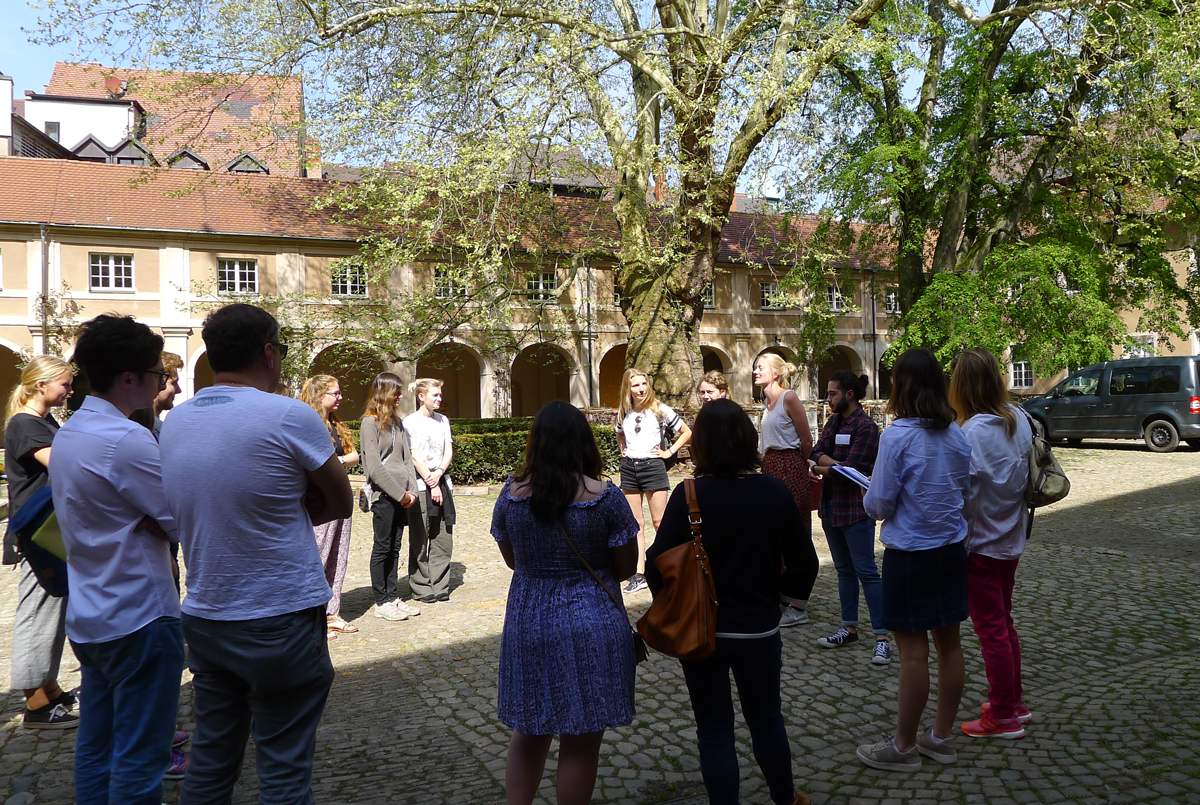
[1106,605]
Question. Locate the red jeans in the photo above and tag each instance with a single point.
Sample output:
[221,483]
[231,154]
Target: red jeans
[989,595]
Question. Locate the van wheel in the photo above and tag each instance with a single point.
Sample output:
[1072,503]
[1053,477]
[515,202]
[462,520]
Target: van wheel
[1161,436]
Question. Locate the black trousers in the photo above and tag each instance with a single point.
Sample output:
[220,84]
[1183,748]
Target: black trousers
[267,677]
[388,519]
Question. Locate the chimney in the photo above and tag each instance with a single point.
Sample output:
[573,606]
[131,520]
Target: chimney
[6,115]
[114,86]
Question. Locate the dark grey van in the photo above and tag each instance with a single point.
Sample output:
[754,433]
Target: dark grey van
[1156,399]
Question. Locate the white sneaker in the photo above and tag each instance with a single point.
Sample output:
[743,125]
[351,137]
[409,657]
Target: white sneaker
[407,607]
[793,617]
[389,612]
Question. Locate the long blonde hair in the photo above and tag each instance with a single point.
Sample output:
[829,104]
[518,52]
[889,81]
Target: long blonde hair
[42,369]
[977,387]
[314,389]
[626,405]
[779,366]
[381,402]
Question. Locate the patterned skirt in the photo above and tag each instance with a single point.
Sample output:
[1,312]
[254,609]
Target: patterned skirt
[791,467]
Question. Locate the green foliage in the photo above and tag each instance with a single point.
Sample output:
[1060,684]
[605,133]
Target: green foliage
[486,451]
[1048,301]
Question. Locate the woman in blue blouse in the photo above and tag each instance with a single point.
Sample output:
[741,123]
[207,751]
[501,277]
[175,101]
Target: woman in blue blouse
[919,489]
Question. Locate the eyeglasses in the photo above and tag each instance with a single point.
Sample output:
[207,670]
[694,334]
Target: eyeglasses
[283,348]
[335,394]
[163,377]
[637,424]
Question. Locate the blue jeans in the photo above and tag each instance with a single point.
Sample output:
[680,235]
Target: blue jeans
[756,666]
[130,696]
[853,550]
[267,678]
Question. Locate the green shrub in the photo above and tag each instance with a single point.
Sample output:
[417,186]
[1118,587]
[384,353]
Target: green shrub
[486,451]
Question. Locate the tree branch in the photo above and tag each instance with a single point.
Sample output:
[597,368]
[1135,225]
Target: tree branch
[1020,11]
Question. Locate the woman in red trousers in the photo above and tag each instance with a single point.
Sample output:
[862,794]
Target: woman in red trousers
[997,521]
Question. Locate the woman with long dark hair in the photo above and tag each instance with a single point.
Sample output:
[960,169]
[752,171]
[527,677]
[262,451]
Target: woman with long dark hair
[997,520]
[749,579]
[567,657]
[393,485]
[921,484]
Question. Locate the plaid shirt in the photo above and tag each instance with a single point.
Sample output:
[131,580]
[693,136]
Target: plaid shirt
[841,498]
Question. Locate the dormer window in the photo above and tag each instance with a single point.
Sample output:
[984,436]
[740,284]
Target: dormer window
[187,159]
[246,163]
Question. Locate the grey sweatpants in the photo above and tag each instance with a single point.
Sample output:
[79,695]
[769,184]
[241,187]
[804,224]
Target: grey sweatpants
[39,633]
[430,545]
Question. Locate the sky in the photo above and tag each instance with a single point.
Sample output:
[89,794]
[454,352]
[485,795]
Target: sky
[28,65]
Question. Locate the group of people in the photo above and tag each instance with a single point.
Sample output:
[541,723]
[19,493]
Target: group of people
[947,480]
[406,461]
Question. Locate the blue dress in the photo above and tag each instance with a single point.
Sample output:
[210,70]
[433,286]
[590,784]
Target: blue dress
[566,656]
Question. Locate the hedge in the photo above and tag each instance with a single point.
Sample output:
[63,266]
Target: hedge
[490,450]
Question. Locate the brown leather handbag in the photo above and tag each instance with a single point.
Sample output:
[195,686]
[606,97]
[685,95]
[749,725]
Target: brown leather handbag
[682,621]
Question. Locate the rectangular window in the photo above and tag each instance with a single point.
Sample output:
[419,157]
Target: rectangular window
[767,296]
[52,130]
[1022,375]
[891,303]
[110,272]
[446,287]
[131,160]
[834,297]
[237,276]
[1145,380]
[710,296]
[541,286]
[349,279]
[1143,347]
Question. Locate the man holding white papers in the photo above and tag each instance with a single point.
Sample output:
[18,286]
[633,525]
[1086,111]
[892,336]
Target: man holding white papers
[851,440]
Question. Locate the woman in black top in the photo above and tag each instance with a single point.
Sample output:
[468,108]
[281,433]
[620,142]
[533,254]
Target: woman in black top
[750,580]
[39,631]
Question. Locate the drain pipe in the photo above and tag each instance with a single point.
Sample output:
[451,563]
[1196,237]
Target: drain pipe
[45,291]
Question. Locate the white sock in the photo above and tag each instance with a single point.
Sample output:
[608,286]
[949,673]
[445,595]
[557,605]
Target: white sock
[936,739]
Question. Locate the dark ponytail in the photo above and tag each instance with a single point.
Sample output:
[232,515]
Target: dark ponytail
[848,381]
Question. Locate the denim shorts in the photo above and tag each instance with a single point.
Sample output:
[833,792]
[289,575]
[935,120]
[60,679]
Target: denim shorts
[924,590]
[643,475]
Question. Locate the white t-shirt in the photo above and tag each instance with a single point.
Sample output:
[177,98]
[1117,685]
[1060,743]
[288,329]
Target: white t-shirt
[427,439]
[235,463]
[643,431]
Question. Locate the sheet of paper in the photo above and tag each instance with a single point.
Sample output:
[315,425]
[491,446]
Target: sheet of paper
[853,475]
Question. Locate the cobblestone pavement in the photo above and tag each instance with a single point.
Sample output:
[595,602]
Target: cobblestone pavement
[1106,606]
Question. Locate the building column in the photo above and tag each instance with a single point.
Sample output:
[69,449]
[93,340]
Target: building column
[176,339]
[289,273]
[741,382]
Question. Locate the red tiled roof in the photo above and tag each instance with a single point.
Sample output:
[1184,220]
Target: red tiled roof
[217,116]
[87,194]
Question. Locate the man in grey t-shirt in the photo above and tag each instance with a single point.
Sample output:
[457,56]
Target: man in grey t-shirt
[247,474]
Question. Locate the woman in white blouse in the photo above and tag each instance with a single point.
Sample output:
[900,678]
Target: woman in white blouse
[431,522]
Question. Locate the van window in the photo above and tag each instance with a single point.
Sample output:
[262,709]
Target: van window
[1145,380]
[1084,385]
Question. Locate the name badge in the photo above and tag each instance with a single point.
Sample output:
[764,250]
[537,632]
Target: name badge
[842,438]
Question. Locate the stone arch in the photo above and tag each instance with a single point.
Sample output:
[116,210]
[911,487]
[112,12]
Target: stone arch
[540,373]
[202,372]
[11,363]
[841,358]
[782,352]
[460,368]
[716,359]
[612,368]
[355,366]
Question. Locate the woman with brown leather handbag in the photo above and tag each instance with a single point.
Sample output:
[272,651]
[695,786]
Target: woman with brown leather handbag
[745,566]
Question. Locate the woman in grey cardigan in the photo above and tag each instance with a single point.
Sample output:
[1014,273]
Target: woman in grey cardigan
[389,469]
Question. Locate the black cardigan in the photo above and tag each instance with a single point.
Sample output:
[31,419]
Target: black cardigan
[750,521]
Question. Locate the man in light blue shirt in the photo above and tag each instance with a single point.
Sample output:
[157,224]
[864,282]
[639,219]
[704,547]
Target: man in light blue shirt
[123,610]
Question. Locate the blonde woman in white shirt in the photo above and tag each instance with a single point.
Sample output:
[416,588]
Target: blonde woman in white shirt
[431,522]
[640,422]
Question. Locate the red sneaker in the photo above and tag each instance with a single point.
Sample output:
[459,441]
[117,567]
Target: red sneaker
[178,767]
[990,727]
[1023,714]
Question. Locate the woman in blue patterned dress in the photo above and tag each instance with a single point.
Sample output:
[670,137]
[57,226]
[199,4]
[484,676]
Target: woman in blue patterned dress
[567,656]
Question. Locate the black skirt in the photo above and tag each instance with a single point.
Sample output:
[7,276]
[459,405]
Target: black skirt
[924,590]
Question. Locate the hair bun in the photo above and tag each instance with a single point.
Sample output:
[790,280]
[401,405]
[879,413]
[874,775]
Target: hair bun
[864,380]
